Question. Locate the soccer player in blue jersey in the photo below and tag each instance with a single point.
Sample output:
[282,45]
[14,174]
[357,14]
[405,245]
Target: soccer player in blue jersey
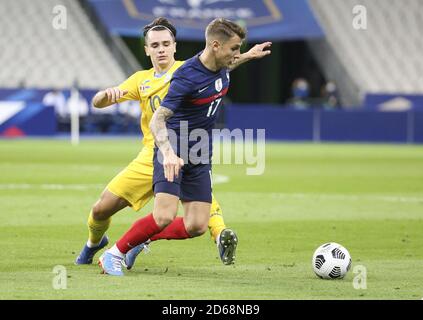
[182,166]
[133,186]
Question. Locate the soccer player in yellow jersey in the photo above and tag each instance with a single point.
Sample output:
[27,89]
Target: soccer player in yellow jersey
[133,185]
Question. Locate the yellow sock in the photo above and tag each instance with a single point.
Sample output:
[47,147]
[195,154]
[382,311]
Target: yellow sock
[216,222]
[97,228]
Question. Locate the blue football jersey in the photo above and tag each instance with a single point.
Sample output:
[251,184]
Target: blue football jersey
[195,96]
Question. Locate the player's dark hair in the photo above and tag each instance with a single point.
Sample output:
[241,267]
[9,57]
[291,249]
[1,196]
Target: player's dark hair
[225,29]
[159,24]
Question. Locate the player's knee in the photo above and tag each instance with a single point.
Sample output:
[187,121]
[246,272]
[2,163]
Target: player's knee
[164,213]
[99,211]
[162,220]
[196,229]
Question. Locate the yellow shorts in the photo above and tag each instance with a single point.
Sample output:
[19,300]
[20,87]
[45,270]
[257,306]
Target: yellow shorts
[135,182]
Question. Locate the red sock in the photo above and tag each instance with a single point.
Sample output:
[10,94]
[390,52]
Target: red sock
[142,230]
[176,230]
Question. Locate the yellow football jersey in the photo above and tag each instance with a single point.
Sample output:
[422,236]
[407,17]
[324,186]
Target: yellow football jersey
[150,91]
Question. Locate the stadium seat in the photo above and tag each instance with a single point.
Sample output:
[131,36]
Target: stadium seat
[50,58]
[387,56]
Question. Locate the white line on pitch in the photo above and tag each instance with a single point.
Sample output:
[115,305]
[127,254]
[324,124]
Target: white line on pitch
[217,179]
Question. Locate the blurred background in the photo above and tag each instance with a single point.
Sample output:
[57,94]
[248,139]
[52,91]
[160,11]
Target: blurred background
[340,70]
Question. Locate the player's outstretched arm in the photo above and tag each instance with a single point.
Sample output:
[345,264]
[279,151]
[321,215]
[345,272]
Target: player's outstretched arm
[171,162]
[257,52]
[107,97]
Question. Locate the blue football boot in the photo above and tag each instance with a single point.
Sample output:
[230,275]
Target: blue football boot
[111,264]
[87,254]
[134,252]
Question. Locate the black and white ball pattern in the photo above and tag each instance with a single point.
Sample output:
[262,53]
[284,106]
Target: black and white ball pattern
[331,261]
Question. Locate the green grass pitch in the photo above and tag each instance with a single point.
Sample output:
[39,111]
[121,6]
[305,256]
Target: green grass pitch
[369,198]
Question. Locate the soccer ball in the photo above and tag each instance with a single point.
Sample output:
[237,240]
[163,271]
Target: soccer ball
[331,261]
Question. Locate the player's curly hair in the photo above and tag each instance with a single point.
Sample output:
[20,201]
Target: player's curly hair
[160,23]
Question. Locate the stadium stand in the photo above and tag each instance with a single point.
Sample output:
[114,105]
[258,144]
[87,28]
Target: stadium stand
[36,55]
[377,72]
[384,58]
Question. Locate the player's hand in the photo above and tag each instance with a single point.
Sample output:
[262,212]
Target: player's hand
[172,164]
[114,94]
[260,50]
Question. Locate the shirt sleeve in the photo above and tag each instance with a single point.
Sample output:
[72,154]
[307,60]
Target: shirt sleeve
[131,85]
[180,88]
